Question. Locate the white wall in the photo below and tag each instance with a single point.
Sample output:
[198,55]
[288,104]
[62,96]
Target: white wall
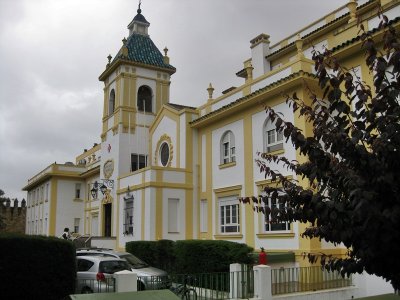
[226,100]
[263,83]
[371,285]
[232,175]
[169,127]
[257,131]
[337,294]
[67,208]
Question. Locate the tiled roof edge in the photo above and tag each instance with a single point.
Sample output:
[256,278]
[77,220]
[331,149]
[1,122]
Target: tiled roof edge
[318,29]
[251,95]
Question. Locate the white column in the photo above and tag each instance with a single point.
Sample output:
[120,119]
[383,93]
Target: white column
[262,282]
[125,281]
[236,275]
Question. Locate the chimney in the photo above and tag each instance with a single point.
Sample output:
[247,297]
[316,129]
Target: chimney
[259,49]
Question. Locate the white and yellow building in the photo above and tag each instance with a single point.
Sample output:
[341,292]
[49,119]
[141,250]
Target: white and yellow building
[174,172]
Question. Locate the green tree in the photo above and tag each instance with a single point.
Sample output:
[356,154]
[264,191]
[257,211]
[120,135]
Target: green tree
[353,165]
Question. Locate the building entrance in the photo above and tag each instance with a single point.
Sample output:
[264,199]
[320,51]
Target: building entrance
[107,219]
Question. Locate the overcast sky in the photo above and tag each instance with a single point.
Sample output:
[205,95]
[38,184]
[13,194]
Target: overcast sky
[52,52]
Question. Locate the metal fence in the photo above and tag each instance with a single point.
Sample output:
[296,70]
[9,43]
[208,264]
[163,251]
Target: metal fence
[213,286]
[242,283]
[87,286]
[204,285]
[303,279]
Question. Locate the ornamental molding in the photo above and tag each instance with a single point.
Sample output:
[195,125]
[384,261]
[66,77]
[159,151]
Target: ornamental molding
[108,168]
[107,197]
[157,157]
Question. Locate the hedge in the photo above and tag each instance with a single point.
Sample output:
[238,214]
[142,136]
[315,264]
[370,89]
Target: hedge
[191,256]
[36,267]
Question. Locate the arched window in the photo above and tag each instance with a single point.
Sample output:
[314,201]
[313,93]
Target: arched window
[228,153]
[273,140]
[144,99]
[111,103]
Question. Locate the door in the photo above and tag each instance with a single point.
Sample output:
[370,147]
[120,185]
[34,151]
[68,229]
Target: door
[107,219]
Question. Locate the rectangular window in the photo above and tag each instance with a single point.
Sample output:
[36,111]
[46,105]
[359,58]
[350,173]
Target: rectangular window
[274,140]
[128,216]
[173,215]
[203,215]
[270,221]
[138,161]
[233,154]
[77,190]
[76,224]
[226,153]
[229,214]
[47,192]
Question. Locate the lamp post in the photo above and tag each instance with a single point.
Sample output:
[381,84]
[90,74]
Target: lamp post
[105,185]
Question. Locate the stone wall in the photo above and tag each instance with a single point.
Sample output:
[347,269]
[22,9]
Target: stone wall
[13,218]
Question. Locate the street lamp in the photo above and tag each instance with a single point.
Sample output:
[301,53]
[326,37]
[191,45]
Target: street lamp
[105,185]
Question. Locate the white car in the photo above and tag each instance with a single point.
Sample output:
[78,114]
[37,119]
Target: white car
[94,273]
[149,278]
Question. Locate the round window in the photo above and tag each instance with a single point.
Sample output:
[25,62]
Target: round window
[164,154]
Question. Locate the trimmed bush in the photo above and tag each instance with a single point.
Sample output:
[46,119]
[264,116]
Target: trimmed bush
[208,256]
[159,254]
[191,256]
[36,267]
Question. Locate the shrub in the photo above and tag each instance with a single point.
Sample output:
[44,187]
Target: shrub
[208,256]
[36,267]
[191,256]
[159,254]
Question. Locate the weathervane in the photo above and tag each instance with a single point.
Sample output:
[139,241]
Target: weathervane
[139,10]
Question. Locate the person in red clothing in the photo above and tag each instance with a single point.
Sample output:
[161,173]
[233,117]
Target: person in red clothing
[262,257]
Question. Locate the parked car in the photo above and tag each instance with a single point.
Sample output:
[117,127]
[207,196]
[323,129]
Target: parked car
[149,278]
[94,273]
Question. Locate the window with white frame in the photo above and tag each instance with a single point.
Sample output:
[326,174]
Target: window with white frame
[128,215]
[228,150]
[47,192]
[138,161]
[229,220]
[270,220]
[173,215]
[273,139]
[77,190]
[76,224]
[203,215]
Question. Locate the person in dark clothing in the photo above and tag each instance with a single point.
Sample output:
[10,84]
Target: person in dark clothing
[66,235]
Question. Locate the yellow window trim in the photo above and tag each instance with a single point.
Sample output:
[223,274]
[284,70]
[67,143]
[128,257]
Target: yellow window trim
[270,182]
[231,189]
[276,152]
[227,165]
[275,235]
[228,236]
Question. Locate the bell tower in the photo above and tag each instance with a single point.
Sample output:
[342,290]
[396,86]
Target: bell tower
[136,85]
